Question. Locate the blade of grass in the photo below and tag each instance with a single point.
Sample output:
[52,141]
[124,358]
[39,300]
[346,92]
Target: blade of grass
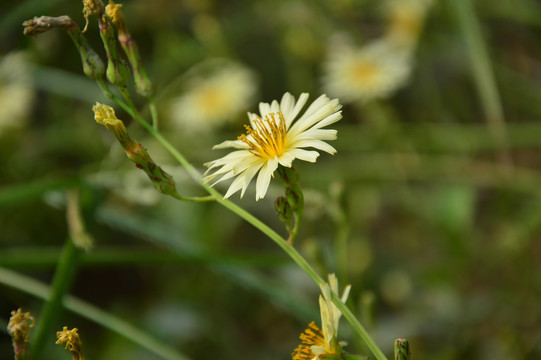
[65,271]
[90,312]
[29,191]
[39,257]
[483,74]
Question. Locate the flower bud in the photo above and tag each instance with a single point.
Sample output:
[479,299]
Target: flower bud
[162,181]
[93,66]
[143,85]
[289,175]
[283,209]
[401,349]
[72,341]
[294,197]
[18,327]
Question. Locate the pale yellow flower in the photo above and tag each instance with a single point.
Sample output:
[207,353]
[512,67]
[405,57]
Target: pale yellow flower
[316,342]
[369,72]
[217,92]
[16,90]
[276,137]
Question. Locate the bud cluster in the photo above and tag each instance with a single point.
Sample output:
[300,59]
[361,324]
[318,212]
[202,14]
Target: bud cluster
[291,206]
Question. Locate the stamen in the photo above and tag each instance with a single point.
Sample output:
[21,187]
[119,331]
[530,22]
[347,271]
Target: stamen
[268,136]
[311,336]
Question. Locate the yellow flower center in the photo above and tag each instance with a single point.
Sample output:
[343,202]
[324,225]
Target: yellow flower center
[212,100]
[310,337]
[364,72]
[268,138]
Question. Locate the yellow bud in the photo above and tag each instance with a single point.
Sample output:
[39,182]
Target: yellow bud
[105,115]
[113,12]
[19,324]
[72,341]
[92,7]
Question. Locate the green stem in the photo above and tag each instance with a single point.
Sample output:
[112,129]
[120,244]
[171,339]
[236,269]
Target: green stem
[483,74]
[63,277]
[92,313]
[357,326]
[153,112]
[195,198]
[281,242]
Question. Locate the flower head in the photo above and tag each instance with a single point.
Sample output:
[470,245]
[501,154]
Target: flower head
[276,137]
[316,342]
[369,72]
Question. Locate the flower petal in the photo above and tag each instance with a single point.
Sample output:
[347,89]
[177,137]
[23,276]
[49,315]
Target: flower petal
[305,155]
[236,144]
[286,105]
[263,179]
[317,144]
[248,176]
[286,159]
[298,106]
[264,109]
[315,115]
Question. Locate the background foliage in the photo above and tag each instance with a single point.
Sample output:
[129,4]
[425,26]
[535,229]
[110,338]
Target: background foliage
[419,210]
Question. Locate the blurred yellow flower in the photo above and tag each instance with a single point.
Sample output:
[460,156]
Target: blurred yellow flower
[373,71]
[275,138]
[405,20]
[215,96]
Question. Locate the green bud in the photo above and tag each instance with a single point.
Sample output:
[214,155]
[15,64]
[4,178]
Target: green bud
[401,349]
[162,181]
[143,85]
[294,197]
[289,175]
[283,209]
[118,71]
[93,66]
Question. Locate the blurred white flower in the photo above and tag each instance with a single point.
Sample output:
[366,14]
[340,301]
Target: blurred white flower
[16,90]
[217,92]
[373,71]
[275,138]
[405,20]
